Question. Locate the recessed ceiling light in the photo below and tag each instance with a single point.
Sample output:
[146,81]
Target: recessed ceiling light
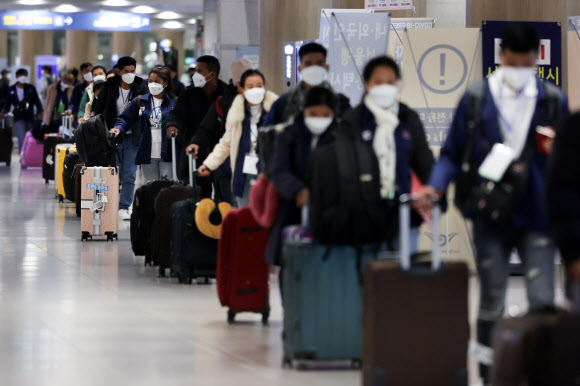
[31,2]
[192,21]
[168,15]
[143,9]
[116,3]
[172,25]
[66,8]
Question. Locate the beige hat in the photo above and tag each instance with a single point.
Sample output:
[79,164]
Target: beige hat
[239,67]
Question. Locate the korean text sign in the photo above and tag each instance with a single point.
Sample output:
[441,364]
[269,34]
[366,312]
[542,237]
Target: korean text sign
[354,40]
[549,53]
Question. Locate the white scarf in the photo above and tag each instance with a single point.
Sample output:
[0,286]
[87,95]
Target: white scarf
[384,144]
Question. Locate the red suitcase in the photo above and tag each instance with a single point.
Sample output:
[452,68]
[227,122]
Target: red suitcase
[242,273]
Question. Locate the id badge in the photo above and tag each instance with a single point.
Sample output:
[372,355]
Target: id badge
[251,164]
[156,134]
[497,162]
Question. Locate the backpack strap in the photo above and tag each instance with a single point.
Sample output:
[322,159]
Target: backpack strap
[139,101]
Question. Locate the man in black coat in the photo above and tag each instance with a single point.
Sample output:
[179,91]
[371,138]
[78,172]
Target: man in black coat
[115,96]
[178,87]
[194,103]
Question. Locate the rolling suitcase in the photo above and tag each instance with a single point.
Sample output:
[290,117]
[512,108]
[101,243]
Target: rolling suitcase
[99,202]
[242,274]
[68,175]
[416,325]
[62,151]
[6,142]
[78,190]
[49,146]
[31,153]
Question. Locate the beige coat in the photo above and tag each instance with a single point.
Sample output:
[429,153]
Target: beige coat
[89,105]
[230,142]
[51,99]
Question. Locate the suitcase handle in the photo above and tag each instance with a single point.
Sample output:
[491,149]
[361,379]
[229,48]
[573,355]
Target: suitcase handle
[192,166]
[173,156]
[405,234]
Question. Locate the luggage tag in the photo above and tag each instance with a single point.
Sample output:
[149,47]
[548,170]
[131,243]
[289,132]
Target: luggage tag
[156,133]
[251,164]
[141,109]
[497,162]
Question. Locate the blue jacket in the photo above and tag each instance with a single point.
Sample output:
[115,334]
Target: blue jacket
[138,113]
[531,213]
[30,95]
[77,95]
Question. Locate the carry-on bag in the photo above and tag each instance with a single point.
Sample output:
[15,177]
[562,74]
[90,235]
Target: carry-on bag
[242,273]
[68,174]
[416,326]
[94,144]
[48,157]
[31,153]
[6,142]
[60,151]
[99,202]
[78,189]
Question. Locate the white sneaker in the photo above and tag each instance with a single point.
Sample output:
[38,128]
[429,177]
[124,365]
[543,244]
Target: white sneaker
[124,215]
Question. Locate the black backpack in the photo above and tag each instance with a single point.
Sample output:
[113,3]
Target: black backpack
[94,143]
[346,207]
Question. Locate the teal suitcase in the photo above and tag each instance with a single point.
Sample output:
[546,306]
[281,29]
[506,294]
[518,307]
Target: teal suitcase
[322,302]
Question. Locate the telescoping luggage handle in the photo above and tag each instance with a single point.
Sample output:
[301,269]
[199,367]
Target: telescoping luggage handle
[192,166]
[173,156]
[67,125]
[405,234]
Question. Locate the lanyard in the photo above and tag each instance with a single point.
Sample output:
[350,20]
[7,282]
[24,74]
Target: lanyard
[125,100]
[156,112]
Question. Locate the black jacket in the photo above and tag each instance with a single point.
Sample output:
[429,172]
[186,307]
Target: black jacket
[107,102]
[178,87]
[4,85]
[563,189]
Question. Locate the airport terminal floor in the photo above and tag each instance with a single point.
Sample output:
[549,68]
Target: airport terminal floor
[90,313]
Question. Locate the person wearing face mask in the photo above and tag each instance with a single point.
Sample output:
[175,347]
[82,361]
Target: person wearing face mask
[149,114]
[22,98]
[79,89]
[46,80]
[241,137]
[213,127]
[98,74]
[58,97]
[192,106]
[288,167]
[314,72]
[504,109]
[396,134]
[118,93]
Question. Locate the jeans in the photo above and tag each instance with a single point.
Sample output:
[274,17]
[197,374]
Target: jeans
[225,189]
[126,153]
[156,170]
[22,127]
[494,247]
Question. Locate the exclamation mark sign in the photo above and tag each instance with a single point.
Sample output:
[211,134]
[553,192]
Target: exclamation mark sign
[442,59]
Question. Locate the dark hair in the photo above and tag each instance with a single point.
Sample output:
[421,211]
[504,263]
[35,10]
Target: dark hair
[380,61]
[22,71]
[47,68]
[4,72]
[97,67]
[320,96]
[165,74]
[111,72]
[75,72]
[172,67]
[311,48]
[86,65]
[249,73]
[98,85]
[520,37]
[126,61]
[213,64]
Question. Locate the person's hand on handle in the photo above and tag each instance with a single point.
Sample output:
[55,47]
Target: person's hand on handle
[170,130]
[117,132]
[68,112]
[302,197]
[81,119]
[424,199]
[203,171]
[194,148]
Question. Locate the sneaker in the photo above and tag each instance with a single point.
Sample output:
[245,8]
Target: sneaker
[124,215]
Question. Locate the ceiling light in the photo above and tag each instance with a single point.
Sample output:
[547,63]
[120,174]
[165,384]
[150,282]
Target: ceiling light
[192,21]
[66,8]
[116,3]
[168,15]
[172,25]
[31,2]
[143,9]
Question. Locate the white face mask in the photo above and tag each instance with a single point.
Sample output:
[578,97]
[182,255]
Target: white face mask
[155,88]
[22,79]
[88,77]
[314,75]
[255,95]
[517,77]
[63,86]
[198,80]
[100,77]
[384,95]
[128,78]
[317,126]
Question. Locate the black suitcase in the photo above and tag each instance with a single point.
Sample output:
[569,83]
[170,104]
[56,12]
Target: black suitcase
[78,180]
[6,145]
[68,175]
[48,158]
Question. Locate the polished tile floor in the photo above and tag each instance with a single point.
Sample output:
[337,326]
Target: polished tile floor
[90,314]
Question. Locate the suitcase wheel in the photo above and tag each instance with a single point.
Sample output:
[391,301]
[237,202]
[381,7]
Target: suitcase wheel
[265,317]
[287,363]
[161,272]
[46,181]
[231,316]
[60,198]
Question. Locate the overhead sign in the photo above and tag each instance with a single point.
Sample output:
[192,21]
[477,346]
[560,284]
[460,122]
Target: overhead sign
[574,62]
[90,21]
[549,65]
[354,39]
[389,5]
